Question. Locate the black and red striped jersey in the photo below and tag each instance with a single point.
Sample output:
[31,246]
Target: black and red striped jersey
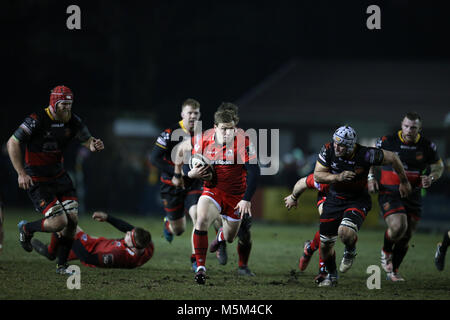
[416,157]
[162,150]
[45,140]
[359,162]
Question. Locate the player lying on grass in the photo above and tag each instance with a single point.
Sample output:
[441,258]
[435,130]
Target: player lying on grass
[309,247]
[131,251]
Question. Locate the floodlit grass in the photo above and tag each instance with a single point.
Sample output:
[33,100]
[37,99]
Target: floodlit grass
[168,275]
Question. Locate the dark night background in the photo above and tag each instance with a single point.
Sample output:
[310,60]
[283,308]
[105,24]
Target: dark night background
[142,59]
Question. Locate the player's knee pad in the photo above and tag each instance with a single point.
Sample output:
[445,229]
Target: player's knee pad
[54,210]
[346,222]
[328,240]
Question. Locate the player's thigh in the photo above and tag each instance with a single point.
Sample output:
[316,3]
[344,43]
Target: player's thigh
[230,228]
[207,211]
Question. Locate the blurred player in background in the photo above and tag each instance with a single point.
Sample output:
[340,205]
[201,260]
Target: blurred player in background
[45,135]
[228,189]
[345,164]
[441,250]
[131,251]
[402,214]
[176,199]
[291,201]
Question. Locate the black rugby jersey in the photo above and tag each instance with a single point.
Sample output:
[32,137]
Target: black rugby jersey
[162,151]
[416,157]
[359,162]
[45,140]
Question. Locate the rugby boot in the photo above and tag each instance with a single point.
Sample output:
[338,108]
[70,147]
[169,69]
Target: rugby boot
[42,249]
[320,277]
[439,257]
[306,256]
[214,246]
[24,237]
[167,234]
[200,275]
[394,277]
[221,253]
[347,260]
[63,269]
[245,271]
[330,280]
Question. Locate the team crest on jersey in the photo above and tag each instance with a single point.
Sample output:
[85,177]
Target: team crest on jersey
[118,244]
[386,206]
[42,203]
[419,155]
[67,132]
[84,237]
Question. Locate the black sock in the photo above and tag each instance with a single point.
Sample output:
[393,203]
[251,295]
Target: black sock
[445,242]
[399,252]
[388,243]
[65,245]
[330,264]
[32,227]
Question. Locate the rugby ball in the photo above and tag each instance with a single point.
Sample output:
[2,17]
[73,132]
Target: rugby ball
[198,160]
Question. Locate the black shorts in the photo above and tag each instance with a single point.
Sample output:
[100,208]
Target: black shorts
[45,194]
[348,212]
[392,203]
[177,200]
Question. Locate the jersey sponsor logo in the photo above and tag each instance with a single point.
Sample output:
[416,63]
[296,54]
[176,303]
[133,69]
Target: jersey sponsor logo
[84,237]
[57,125]
[408,147]
[419,155]
[118,244]
[386,206]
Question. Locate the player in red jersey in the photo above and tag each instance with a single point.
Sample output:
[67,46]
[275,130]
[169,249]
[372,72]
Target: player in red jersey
[291,201]
[45,135]
[418,155]
[228,190]
[244,245]
[131,251]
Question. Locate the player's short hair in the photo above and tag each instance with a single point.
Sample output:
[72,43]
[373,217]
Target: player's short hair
[230,107]
[190,102]
[413,116]
[142,237]
[224,116]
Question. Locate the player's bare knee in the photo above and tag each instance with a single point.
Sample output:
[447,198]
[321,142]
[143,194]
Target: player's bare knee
[397,231]
[347,235]
[55,223]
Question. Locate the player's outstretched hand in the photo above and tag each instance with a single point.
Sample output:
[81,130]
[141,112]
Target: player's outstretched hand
[290,202]
[100,216]
[96,145]
[244,207]
[25,181]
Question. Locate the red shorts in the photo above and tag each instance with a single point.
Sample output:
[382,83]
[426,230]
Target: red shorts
[224,202]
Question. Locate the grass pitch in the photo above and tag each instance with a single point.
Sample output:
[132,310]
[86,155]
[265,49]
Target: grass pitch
[168,275]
